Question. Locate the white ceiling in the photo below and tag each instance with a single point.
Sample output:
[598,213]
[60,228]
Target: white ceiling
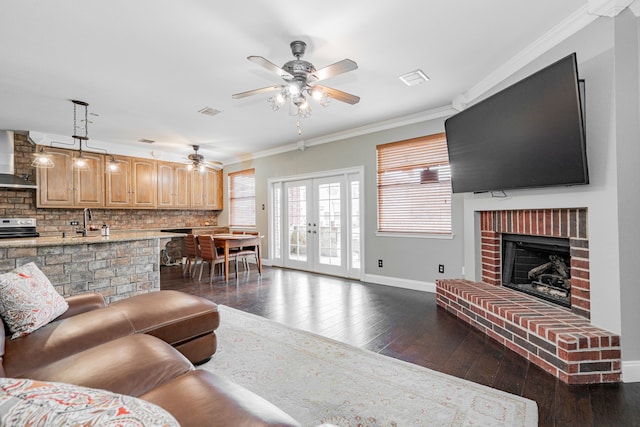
[147,66]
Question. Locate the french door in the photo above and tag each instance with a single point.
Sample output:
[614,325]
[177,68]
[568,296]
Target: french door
[318,223]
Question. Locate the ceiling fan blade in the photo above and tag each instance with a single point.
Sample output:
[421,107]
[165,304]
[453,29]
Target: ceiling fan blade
[339,95]
[265,63]
[332,70]
[256,91]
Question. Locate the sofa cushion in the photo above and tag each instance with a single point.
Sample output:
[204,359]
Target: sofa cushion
[29,402]
[130,365]
[28,300]
[62,338]
[219,402]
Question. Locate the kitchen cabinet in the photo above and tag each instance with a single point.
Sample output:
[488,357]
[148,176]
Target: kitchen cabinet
[134,185]
[64,186]
[174,186]
[207,189]
[139,183]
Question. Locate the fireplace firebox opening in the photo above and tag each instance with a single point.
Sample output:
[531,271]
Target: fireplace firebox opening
[538,266]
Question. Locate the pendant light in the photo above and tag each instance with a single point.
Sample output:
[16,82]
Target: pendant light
[80,133]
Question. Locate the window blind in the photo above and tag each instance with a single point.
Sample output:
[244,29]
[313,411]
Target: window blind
[414,186]
[242,198]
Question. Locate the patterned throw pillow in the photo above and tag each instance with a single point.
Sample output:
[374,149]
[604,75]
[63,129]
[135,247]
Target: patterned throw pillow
[25,402]
[28,300]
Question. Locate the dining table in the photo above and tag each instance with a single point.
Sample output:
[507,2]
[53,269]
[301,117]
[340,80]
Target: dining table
[229,241]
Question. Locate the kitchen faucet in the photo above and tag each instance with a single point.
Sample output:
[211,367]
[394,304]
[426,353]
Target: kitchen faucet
[86,215]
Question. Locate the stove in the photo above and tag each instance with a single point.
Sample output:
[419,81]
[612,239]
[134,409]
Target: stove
[11,228]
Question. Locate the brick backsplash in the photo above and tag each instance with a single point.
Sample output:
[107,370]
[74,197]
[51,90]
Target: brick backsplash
[22,204]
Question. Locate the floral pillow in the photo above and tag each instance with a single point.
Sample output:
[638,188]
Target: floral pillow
[28,300]
[25,402]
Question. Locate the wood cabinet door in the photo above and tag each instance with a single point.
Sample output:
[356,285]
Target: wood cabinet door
[197,190]
[55,185]
[182,186]
[145,183]
[213,189]
[166,185]
[89,183]
[118,184]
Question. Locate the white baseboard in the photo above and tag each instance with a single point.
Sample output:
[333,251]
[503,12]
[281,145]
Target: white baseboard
[631,371]
[400,283]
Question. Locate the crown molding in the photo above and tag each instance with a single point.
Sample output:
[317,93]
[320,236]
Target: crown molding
[301,145]
[609,8]
[635,8]
[571,25]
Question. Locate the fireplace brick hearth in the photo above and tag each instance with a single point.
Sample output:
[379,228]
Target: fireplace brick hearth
[561,341]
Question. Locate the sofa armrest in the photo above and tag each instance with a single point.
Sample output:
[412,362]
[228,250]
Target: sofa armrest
[82,303]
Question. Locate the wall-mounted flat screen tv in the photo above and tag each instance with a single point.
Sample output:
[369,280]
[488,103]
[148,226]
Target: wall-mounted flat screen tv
[530,134]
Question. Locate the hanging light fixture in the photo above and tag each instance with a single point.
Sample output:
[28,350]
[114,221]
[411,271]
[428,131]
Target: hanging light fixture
[300,80]
[80,133]
[112,165]
[42,159]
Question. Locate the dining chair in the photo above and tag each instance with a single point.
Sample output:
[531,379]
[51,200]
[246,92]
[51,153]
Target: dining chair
[210,255]
[246,252]
[192,252]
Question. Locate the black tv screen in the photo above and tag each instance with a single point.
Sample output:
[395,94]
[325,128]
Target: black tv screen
[530,134]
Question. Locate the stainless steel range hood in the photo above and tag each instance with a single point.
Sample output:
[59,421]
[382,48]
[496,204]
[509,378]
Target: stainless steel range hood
[8,178]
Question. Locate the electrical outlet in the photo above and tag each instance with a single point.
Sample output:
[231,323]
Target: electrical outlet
[380,263]
[75,223]
[440,268]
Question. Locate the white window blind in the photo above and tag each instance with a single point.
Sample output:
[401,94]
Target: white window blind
[242,198]
[414,186]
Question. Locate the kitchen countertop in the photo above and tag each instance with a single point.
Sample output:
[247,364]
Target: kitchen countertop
[115,236]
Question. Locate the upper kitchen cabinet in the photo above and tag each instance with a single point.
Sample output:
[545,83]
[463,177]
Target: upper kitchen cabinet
[174,186]
[134,185]
[65,186]
[207,190]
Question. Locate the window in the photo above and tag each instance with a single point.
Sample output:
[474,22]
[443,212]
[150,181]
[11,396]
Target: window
[414,186]
[242,198]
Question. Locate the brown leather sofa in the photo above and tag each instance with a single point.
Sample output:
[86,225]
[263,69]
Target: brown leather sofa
[144,346]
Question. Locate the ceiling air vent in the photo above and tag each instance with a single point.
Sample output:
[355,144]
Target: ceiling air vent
[208,111]
[414,78]
[146,141]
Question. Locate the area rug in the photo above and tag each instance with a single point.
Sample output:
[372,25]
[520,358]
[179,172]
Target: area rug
[317,380]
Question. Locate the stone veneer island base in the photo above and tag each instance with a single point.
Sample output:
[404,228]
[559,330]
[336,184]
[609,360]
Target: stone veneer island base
[562,343]
[117,266]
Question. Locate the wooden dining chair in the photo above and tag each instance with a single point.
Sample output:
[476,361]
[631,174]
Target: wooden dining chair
[192,252]
[210,255]
[246,252]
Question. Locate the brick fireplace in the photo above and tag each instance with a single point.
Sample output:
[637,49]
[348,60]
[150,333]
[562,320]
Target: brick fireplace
[558,223]
[560,340]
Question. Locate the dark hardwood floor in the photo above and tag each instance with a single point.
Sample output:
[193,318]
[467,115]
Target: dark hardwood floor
[409,326]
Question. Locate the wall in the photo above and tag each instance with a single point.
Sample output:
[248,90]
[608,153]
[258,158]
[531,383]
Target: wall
[21,203]
[627,130]
[417,267]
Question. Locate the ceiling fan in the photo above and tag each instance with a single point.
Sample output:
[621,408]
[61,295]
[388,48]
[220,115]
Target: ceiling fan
[300,78]
[198,162]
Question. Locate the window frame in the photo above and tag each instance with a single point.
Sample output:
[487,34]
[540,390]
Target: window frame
[243,202]
[409,167]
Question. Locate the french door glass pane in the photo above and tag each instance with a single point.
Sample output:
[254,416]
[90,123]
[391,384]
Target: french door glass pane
[330,224]
[355,224]
[297,228]
[277,223]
